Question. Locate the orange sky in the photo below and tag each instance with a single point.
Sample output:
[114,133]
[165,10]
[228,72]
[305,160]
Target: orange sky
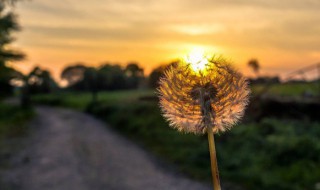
[282,35]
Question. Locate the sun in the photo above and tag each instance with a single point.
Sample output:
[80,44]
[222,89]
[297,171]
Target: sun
[197,60]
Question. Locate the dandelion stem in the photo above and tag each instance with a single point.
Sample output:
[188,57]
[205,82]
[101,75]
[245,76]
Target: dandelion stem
[213,158]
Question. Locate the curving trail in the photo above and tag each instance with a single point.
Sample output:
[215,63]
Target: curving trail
[70,150]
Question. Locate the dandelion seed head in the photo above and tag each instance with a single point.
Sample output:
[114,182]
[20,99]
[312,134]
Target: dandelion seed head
[194,99]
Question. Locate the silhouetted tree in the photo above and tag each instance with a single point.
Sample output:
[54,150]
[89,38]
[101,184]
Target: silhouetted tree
[106,77]
[157,73]
[40,81]
[82,78]
[111,77]
[7,75]
[134,75]
[8,24]
[90,80]
[254,65]
[73,74]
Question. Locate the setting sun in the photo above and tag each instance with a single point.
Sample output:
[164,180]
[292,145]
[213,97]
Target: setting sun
[197,60]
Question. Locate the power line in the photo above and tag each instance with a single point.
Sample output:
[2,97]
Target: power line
[302,71]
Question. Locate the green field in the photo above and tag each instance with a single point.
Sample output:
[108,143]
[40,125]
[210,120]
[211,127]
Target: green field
[80,101]
[272,154]
[290,89]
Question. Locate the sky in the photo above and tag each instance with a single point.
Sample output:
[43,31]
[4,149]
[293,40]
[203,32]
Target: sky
[281,35]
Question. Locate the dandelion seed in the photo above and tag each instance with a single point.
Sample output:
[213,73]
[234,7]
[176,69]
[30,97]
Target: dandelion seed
[222,90]
[203,95]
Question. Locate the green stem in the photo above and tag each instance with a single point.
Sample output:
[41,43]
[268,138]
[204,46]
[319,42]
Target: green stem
[213,158]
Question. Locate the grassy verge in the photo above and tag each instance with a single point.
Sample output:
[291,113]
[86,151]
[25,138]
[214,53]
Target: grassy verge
[12,121]
[13,128]
[272,154]
[291,89]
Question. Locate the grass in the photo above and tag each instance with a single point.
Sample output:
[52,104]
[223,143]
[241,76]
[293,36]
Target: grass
[290,89]
[272,154]
[13,128]
[80,101]
[12,121]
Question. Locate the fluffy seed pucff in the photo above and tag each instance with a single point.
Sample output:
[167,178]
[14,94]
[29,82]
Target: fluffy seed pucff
[206,95]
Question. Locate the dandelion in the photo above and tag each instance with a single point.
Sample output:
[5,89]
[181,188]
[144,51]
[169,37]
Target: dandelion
[203,95]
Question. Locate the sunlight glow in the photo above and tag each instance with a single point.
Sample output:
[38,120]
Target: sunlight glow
[197,60]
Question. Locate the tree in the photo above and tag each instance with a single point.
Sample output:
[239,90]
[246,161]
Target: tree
[157,73]
[73,74]
[90,80]
[37,81]
[254,65]
[106,77]
[134,75]
[82,78]
[40,81]
[111,77]
[8,24]
[7,74]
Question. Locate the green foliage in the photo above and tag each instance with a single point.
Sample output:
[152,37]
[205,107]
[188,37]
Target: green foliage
[40,81]
[134,75]
[271,154]
[80,101]
[290,89]
[12,120]
[105,77]
[6,75]
[12,127]
[8,24]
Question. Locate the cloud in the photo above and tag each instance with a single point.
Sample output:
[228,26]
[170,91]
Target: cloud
[166,26]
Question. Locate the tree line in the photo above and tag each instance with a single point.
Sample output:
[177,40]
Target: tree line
[77,76]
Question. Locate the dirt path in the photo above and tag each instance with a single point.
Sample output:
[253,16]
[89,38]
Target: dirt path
[73,151]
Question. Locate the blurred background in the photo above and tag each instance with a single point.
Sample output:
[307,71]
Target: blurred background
[105,58]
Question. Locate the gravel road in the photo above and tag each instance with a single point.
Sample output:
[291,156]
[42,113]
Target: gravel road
[69,150]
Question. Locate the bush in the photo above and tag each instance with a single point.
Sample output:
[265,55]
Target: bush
[273,154]
[12,120]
